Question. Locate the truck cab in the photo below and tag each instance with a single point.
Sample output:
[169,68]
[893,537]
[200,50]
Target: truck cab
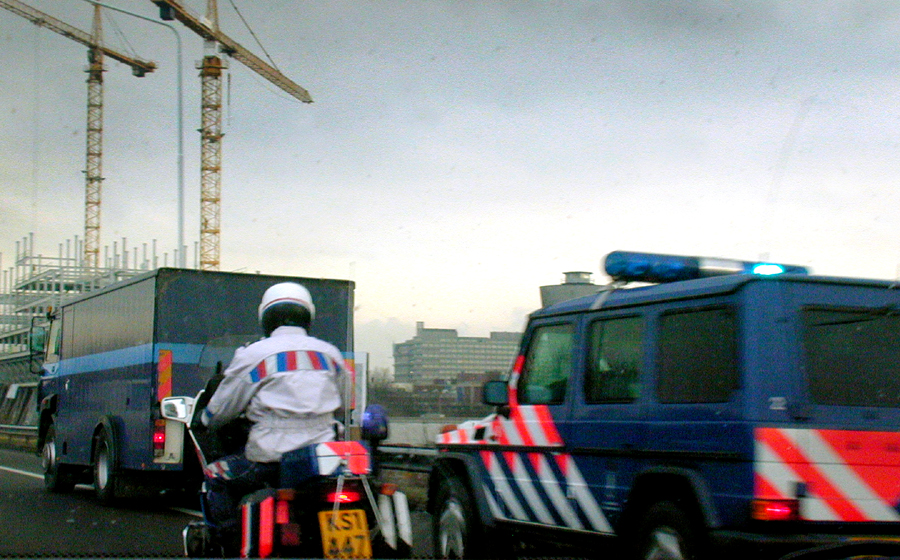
[714,406]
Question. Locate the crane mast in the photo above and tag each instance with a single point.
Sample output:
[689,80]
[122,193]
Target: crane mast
[211,70]
[94,136]
[93,176]
[211,134]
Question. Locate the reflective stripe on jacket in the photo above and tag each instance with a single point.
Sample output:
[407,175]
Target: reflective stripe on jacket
[288,385]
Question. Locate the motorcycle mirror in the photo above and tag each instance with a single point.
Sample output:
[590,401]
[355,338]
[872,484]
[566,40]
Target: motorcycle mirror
[176,408]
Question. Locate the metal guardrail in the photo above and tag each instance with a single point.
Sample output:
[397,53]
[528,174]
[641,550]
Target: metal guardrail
[18,429]
[19,402]
[408,458]
[18,437]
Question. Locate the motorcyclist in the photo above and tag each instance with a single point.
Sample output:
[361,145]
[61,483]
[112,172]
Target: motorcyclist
[289,386]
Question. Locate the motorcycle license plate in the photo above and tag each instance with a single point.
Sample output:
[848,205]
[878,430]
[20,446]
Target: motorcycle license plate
[345,534]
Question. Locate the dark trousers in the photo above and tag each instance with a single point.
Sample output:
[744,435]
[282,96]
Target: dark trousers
[227,481]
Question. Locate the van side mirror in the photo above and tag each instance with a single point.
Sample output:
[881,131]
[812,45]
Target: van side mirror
[176,408]
[495,393]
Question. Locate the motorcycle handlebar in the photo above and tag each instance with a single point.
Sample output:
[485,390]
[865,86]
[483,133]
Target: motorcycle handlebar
[205,395]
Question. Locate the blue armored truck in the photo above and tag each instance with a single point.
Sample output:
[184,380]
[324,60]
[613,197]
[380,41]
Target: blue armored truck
[112,356]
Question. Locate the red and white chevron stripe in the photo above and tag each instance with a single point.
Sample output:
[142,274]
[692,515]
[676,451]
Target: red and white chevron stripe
[513,497]
[847,475]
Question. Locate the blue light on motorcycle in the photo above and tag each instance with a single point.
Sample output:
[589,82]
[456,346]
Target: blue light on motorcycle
[655,268]
[375,423]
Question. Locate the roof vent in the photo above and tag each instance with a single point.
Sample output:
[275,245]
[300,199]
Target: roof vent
[576,285]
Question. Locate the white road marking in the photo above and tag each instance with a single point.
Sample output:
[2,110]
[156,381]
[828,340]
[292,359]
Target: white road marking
[25,473]
[192,512]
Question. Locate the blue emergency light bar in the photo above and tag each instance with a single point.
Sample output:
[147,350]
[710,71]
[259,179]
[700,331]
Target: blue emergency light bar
[653,268]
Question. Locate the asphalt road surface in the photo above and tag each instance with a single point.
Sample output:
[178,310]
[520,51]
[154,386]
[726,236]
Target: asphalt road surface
[36,523]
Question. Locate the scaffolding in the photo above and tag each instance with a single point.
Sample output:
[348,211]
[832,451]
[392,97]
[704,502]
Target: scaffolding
[37,284]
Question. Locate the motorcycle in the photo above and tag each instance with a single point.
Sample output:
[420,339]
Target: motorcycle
[327,504]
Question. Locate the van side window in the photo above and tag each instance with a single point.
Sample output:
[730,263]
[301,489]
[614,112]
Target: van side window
[851,356]
[548,365]
[54,341]
[614,367]
[698,360]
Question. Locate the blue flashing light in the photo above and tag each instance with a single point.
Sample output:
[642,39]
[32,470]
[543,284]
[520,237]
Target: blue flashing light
[647,267]
[655,268]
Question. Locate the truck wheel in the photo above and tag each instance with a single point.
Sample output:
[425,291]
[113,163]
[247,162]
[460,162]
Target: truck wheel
[105,477]
[57,478]
[454,528]
[666,533]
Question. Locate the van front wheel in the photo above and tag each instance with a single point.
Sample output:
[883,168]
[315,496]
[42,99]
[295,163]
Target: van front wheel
[454,522]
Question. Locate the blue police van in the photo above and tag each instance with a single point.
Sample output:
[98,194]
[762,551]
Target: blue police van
[112,355]
[693,407]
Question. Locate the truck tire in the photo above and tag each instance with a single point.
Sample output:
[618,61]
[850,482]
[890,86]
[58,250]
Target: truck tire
[455,528]
[105,475]
[57,477]
[666,533]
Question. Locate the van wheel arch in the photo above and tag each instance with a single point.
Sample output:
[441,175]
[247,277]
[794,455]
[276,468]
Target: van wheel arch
[47,409]
[683,488]
[46,420]
[454,467]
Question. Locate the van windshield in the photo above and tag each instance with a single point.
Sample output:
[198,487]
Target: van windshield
[852,356]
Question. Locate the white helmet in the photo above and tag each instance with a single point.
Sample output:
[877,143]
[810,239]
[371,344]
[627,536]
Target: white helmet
[284,295]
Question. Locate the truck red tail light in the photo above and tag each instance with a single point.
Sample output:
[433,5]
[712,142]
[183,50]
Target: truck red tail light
[159,438]
[776,510]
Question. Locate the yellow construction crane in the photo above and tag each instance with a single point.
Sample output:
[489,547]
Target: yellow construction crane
[211,70]
[93,166]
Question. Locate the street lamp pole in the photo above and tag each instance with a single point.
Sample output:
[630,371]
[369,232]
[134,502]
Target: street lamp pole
[181,246]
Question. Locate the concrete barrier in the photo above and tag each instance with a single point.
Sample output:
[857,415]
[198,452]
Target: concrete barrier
[418,431]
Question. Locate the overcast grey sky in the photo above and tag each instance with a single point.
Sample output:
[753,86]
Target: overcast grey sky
[461,154]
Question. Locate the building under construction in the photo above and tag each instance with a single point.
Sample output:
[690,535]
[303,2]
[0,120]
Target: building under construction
[38,283]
